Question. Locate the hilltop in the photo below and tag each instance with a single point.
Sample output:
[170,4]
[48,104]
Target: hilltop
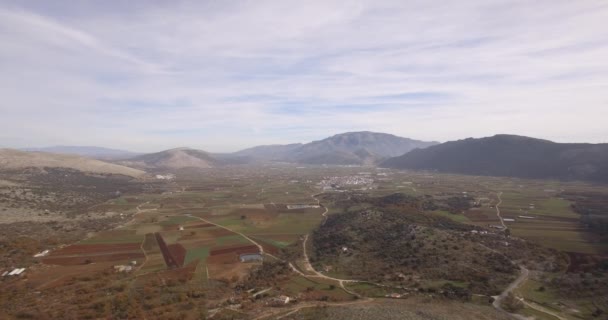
[88,151]
[173,159]
[513,156]
[14,159]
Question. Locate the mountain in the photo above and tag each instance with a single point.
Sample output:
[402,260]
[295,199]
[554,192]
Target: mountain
[88,151]
[16,159]
[173,159]
[351,148]
[355,148]
[269,152]
[513,156]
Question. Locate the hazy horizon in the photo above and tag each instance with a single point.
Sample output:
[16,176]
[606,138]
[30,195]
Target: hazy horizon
[251,146]
[224,76]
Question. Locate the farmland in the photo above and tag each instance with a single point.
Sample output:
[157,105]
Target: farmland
[183,241]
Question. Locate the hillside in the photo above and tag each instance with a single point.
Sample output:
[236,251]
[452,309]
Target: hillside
[513,156]
[351,148]
[269,152]
[173,159]
[399,240]
[88,151]
[14,159]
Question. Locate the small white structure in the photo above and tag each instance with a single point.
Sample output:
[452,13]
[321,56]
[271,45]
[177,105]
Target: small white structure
[282,299]
[302,206]
[508,219]
[41,254]
[16,272]
[122,268]
[344,249]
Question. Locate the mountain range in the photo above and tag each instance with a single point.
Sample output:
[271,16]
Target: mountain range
[351,148]
[499,155]
[510,155]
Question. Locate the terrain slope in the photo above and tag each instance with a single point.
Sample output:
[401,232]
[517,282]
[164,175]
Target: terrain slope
[14,159]
[513,156]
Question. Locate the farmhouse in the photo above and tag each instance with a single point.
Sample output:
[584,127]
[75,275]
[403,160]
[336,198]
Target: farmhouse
[123,268]
[250,257]
[279,301]
[42,254]
[16,272]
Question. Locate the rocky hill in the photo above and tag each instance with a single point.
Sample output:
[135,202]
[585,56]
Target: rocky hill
[173,159]
[11,159]
[88,151]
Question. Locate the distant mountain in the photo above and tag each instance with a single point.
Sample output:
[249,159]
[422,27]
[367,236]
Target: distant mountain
[355,148]
[88,151]
[269,152]
[11,159]
[351,148]
[510,155]
[173,159]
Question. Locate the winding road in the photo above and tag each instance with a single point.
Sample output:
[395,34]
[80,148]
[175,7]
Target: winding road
[523,276]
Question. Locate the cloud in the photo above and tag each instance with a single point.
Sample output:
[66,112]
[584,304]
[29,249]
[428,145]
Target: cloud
[227,75]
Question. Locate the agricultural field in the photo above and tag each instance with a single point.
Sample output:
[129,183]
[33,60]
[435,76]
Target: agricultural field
[179,250]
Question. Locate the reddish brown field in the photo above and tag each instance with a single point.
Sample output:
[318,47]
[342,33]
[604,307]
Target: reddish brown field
[268,247]
[219,232]
[178,252]
[89,259]
[183,274]
[224,258]
[240,249]
[582,262]
[250,211]
[169,259]
[200,225]
[96,249]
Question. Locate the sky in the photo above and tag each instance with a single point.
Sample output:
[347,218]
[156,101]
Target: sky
[226,75]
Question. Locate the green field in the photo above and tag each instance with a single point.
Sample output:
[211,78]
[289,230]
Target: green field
[197,254]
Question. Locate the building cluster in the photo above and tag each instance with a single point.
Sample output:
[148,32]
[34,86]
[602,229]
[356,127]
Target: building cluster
[125,268]
[331,183]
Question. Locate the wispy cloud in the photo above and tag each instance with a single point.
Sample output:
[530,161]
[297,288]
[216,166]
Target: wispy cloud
[230,74]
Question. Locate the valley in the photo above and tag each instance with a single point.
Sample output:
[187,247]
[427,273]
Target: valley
[233,241]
